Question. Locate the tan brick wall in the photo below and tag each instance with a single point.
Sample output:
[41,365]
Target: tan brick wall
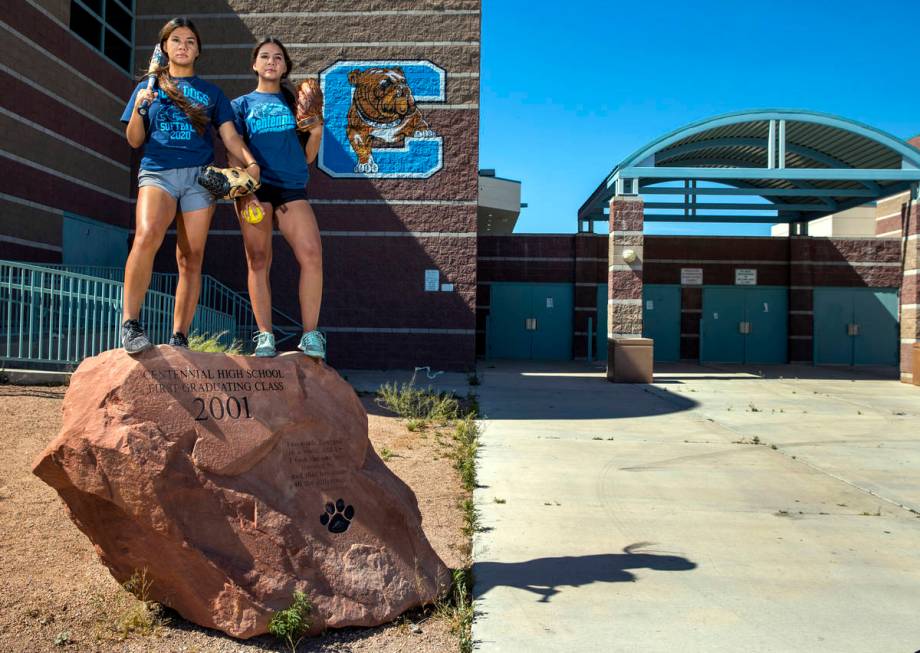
[624,279]
[910,295]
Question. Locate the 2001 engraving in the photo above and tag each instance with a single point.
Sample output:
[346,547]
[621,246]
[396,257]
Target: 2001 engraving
[218,409]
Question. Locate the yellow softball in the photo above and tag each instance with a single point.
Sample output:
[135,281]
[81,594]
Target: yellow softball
[253,213]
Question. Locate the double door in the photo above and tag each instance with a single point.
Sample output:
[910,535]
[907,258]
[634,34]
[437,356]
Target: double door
[744,324]
[856,326]
[530,321]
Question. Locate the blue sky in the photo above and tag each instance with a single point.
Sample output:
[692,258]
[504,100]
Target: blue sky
[568,89]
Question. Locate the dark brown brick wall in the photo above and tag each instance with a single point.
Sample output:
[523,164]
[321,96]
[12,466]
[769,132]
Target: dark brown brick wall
[379,235]
[34,185]
[779,261]
[16,252]
[61,107]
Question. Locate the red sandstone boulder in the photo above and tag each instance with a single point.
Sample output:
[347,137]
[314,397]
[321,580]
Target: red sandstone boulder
[235,481]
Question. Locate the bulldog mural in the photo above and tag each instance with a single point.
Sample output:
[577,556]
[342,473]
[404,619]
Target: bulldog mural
[374,127]
[382,114]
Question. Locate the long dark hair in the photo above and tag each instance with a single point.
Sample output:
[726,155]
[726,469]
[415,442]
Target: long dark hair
[197,114]
[289,98]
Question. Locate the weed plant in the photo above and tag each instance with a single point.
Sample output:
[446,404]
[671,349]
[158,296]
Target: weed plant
[411,402]
[415,424]
[470,517]
[466,443]
[210,343]
[130,615]
[457,608]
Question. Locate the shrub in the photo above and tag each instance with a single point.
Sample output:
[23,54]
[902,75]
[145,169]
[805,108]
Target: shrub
[292,624]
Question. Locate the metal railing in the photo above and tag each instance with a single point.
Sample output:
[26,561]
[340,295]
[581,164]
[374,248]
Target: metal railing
[54,318]
[164,282]
[214,295]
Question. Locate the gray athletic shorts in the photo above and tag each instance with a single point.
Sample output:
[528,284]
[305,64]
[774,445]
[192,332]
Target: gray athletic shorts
[182,184]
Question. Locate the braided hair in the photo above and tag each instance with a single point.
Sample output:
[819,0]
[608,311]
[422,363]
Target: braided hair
[197,114]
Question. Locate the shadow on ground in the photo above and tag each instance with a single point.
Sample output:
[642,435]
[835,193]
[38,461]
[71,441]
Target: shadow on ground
[545,576]
[567,390]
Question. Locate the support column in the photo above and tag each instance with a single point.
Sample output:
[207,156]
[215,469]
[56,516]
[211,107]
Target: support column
[910,294]
[624,278]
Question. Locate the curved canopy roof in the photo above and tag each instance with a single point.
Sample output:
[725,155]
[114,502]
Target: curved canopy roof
[804,164]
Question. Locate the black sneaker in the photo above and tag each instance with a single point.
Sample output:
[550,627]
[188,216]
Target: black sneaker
[178,340]
[133,338]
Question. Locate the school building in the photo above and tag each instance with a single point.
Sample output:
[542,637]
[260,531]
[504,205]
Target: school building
[421,265]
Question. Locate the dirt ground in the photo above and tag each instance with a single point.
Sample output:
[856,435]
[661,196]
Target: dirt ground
[53,587]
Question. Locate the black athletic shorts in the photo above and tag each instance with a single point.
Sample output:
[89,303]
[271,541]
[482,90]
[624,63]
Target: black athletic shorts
[276,195]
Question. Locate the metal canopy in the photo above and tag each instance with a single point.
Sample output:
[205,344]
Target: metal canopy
[804,165]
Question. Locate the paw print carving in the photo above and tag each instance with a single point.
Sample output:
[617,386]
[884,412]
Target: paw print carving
[337,517]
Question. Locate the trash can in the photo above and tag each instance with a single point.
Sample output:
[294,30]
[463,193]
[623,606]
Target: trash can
[632,360]
[915,365]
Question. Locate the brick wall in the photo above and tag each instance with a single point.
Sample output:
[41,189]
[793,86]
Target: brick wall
[910,295]
[62,145]
[379,235]
[889,215]
[800,263]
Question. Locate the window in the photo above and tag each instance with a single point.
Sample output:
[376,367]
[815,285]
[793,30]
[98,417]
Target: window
[107,25]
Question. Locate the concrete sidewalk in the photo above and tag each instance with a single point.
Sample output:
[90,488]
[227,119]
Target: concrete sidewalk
[722,509]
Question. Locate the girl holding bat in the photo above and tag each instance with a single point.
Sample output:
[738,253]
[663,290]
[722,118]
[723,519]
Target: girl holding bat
[282,145]
[173,123]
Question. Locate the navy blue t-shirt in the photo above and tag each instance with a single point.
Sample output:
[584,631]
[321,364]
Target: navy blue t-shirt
[269,129]
[172,141]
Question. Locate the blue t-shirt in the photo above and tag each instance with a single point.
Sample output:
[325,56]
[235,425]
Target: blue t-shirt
[172,141]
[269,129]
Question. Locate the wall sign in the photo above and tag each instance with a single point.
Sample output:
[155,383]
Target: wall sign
[374,128]
[691,276]
[432,280]
[745,277]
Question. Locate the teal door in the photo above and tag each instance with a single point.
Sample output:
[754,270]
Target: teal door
[855,326]
[90,242]
[744,324]
[767,314]
[530,321]
[833,312]
[876,316]
[506,332]
[661,320]
[552,307]
[721,340]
